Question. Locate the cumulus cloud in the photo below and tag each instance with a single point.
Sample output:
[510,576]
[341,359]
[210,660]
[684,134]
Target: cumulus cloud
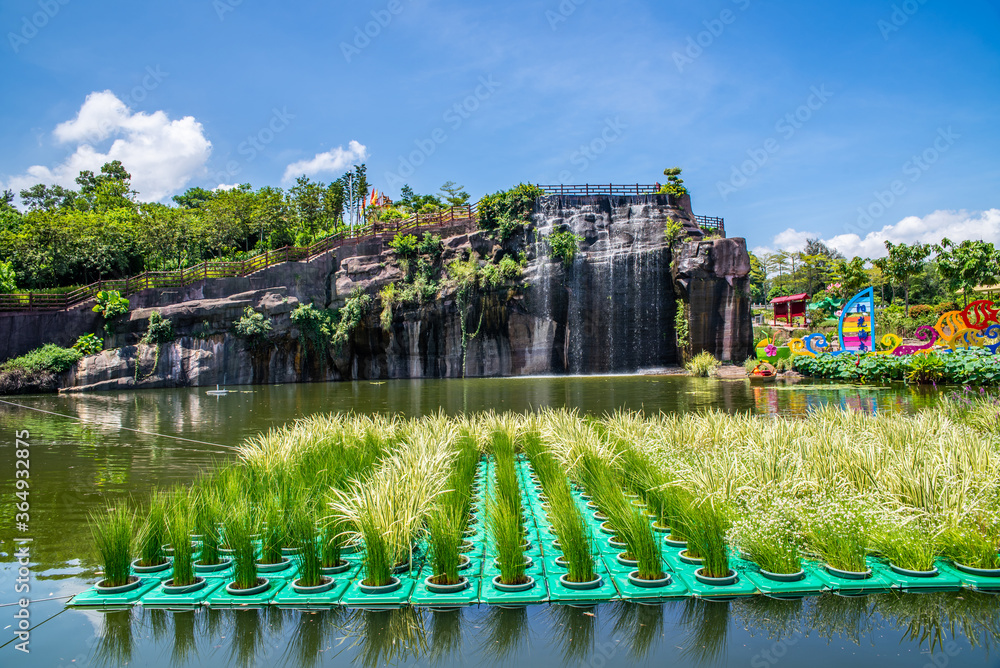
[959,225]
[334,160]
[162,155]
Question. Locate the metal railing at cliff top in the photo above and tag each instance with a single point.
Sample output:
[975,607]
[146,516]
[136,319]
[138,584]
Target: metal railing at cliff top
[33,301]
[710,224]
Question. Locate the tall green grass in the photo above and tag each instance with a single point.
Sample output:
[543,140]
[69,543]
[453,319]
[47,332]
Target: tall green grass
[507,533]
[208,512]
[179,527]
[113,535]
[273,530]
[445,527]
[240,527]
[152,535]
[309,552]
[707,525]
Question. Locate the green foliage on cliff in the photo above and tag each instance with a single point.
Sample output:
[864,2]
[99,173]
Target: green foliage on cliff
[351,314]
[502,213]
[110,304]
[89,344]
[49,357]
[564,245]
[405,245]
[253,327]
[160,330]
[8,281]
[675,184]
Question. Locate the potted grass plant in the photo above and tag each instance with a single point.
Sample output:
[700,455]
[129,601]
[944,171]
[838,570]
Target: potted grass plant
[707,528]
[507,534]
[973,550]
[332,536]
[152,537]
[644,551]
[308,555]
[444,537]
[911,550]
[240,529]
[206,524]
[273,535]
[179,528]
[768,535]
[113,535]
[839,530]
[574,540]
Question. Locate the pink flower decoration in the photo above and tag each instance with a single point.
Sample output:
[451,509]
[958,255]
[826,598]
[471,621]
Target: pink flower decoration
[770,350]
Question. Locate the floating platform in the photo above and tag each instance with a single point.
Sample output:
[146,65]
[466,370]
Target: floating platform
[615,583]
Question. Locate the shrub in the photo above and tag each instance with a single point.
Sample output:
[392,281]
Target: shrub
[918,310]
[502,213]
[110,304]
[944,307]
[405,245]
[160,330]
[703,364]
[497,275]
[431,245]
[254,328]
[315,324]
[8,282]
[972,366]
[564,245]
[49,357]
[89,344]
[350,317]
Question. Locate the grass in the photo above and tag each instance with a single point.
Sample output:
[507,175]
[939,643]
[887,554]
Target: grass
[152,535]
[113,534]
[702,365]
[972,546]
[179,527]
[706,533]
[574,537]
[240,526]
[445,528]
[309,555]
[332,536]
[908,546]
[208,511]
[507,533]
[767,532]
[273,532]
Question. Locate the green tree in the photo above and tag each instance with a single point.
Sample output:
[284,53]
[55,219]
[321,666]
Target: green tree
[903,262]
[758,279]
[193,198]
[851,274]
[967,265]
[41,197]
[675,184]
[454,195]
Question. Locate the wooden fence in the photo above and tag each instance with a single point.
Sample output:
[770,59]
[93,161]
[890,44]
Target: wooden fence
[217,269]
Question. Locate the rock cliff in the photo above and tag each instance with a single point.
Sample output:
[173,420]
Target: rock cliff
[610,310]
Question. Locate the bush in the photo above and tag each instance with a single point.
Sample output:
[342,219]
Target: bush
[498,275]
[350,317]
[564,245]
[89,344]
[8,282]
[504,212]
[944,307]
[254,328]
[110,304]
[49,357]
[160,330]
[431,245]
[974,366]
[918,310]
[405,245]
[702,365]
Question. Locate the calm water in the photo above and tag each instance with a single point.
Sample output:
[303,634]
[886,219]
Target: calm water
[78,467]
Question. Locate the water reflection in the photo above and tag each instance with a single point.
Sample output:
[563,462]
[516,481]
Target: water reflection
[687,633]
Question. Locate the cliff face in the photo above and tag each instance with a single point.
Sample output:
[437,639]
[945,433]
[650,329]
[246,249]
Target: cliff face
[611,310]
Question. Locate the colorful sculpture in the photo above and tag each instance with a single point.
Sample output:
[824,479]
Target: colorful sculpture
[975,326]
[857,325]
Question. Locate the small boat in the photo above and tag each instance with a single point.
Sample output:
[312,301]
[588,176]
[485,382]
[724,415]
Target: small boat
[763,373]
[217,392]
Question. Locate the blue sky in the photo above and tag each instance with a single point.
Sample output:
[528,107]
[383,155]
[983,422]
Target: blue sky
[790,119]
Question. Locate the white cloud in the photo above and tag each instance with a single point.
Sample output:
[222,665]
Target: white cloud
[224,186]
[161,154]
[334,160]
[956,225]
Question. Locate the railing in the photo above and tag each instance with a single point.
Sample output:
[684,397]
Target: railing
[707,223]
[599,189]
[220,269]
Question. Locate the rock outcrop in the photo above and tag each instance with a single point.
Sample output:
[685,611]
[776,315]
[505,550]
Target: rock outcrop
[610,310]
